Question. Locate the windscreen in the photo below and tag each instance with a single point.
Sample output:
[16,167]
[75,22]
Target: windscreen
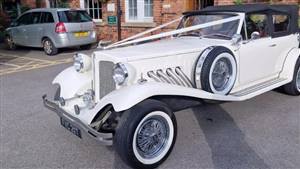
[222,30]
[74,16]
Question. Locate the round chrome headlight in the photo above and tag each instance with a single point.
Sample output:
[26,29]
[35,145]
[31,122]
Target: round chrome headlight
[82,62]
[120,73]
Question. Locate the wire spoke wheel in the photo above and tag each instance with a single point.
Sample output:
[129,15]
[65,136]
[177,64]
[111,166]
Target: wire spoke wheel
[146,134]
[152,137]
[222,72]
[216,70]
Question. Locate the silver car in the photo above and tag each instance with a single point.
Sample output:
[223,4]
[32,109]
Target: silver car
[52,28]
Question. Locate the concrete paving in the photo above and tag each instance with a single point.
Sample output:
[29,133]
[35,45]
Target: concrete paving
[25,58]
[261,133]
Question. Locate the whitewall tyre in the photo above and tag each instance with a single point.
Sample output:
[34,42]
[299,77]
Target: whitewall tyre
[146,134]
[293,88]
[49,47]
[218,72]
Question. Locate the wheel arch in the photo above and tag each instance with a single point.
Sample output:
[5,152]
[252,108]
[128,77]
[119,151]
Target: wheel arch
[173,95]
[290,62]
[45,37]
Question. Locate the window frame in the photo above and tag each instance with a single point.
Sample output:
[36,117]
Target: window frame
[22,16]
[86,7]
[281,33]
[43,14]
[269,26]
[141,18]
[40,17]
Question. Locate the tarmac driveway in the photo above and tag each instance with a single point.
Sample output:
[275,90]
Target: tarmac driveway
[261,133]
[24,58]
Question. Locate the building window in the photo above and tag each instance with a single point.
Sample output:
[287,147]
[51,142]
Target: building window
[148,5]
[132,8]
[139,10]
[94,9]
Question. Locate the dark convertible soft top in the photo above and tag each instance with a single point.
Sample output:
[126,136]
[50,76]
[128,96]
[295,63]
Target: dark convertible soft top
[291,10]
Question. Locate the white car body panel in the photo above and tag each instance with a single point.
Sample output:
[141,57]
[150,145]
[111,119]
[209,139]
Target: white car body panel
[258,65]
[76,83]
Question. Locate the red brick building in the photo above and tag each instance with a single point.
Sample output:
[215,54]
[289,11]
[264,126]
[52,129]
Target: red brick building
[138,15]
[146,14]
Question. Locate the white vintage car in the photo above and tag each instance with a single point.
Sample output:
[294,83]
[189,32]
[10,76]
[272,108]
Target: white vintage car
[126,93]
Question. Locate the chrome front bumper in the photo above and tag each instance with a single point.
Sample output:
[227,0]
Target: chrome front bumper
[103,138]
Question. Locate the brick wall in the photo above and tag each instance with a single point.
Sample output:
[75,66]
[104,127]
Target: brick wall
[173,9]
[227,2]
[163,10]
[230,2]
[74,3]
[29,3]
[33,3]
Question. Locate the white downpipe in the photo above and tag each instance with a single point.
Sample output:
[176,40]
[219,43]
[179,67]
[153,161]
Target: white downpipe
[166,34]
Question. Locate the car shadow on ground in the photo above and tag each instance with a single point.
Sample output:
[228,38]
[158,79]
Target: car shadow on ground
[226,140]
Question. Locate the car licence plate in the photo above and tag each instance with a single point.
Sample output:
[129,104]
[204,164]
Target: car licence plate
[69,126]
[81,34]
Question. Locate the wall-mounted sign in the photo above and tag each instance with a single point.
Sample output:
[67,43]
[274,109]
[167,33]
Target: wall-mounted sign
[167,6]
[112,20]
[111,7]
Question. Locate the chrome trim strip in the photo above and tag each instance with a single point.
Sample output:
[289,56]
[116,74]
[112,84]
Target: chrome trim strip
[161,74]
[257,87]
[173,76]
[152,75]
[198,67]
[176,77]
[183,77]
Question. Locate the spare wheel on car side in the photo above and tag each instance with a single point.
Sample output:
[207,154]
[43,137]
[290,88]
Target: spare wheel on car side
[216,70]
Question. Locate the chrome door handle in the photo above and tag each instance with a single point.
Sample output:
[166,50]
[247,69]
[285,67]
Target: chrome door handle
[273,45]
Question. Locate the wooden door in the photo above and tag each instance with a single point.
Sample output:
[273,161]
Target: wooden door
[190,5]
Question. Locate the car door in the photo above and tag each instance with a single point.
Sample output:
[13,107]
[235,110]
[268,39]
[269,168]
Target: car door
[34,30]
[256,54]
[281,38]
[19,31]
[48,25]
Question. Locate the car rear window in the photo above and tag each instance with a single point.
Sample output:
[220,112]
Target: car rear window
[74,16]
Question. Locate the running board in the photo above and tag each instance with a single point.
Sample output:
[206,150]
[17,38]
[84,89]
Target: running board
[259,89]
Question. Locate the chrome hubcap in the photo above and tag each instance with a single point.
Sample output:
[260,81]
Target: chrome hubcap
[47,46]
[298,79]
[152,137]
[221,74]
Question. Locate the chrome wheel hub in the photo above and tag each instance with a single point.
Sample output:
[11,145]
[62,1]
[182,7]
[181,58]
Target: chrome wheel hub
[152,137]
[221,74]
[298,79]
[47,47]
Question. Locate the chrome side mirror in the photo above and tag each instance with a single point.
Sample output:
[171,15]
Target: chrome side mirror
[255,35]
[236,39]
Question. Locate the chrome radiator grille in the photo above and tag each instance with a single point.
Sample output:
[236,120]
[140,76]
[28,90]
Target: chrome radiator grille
[172,76]
[107,83]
